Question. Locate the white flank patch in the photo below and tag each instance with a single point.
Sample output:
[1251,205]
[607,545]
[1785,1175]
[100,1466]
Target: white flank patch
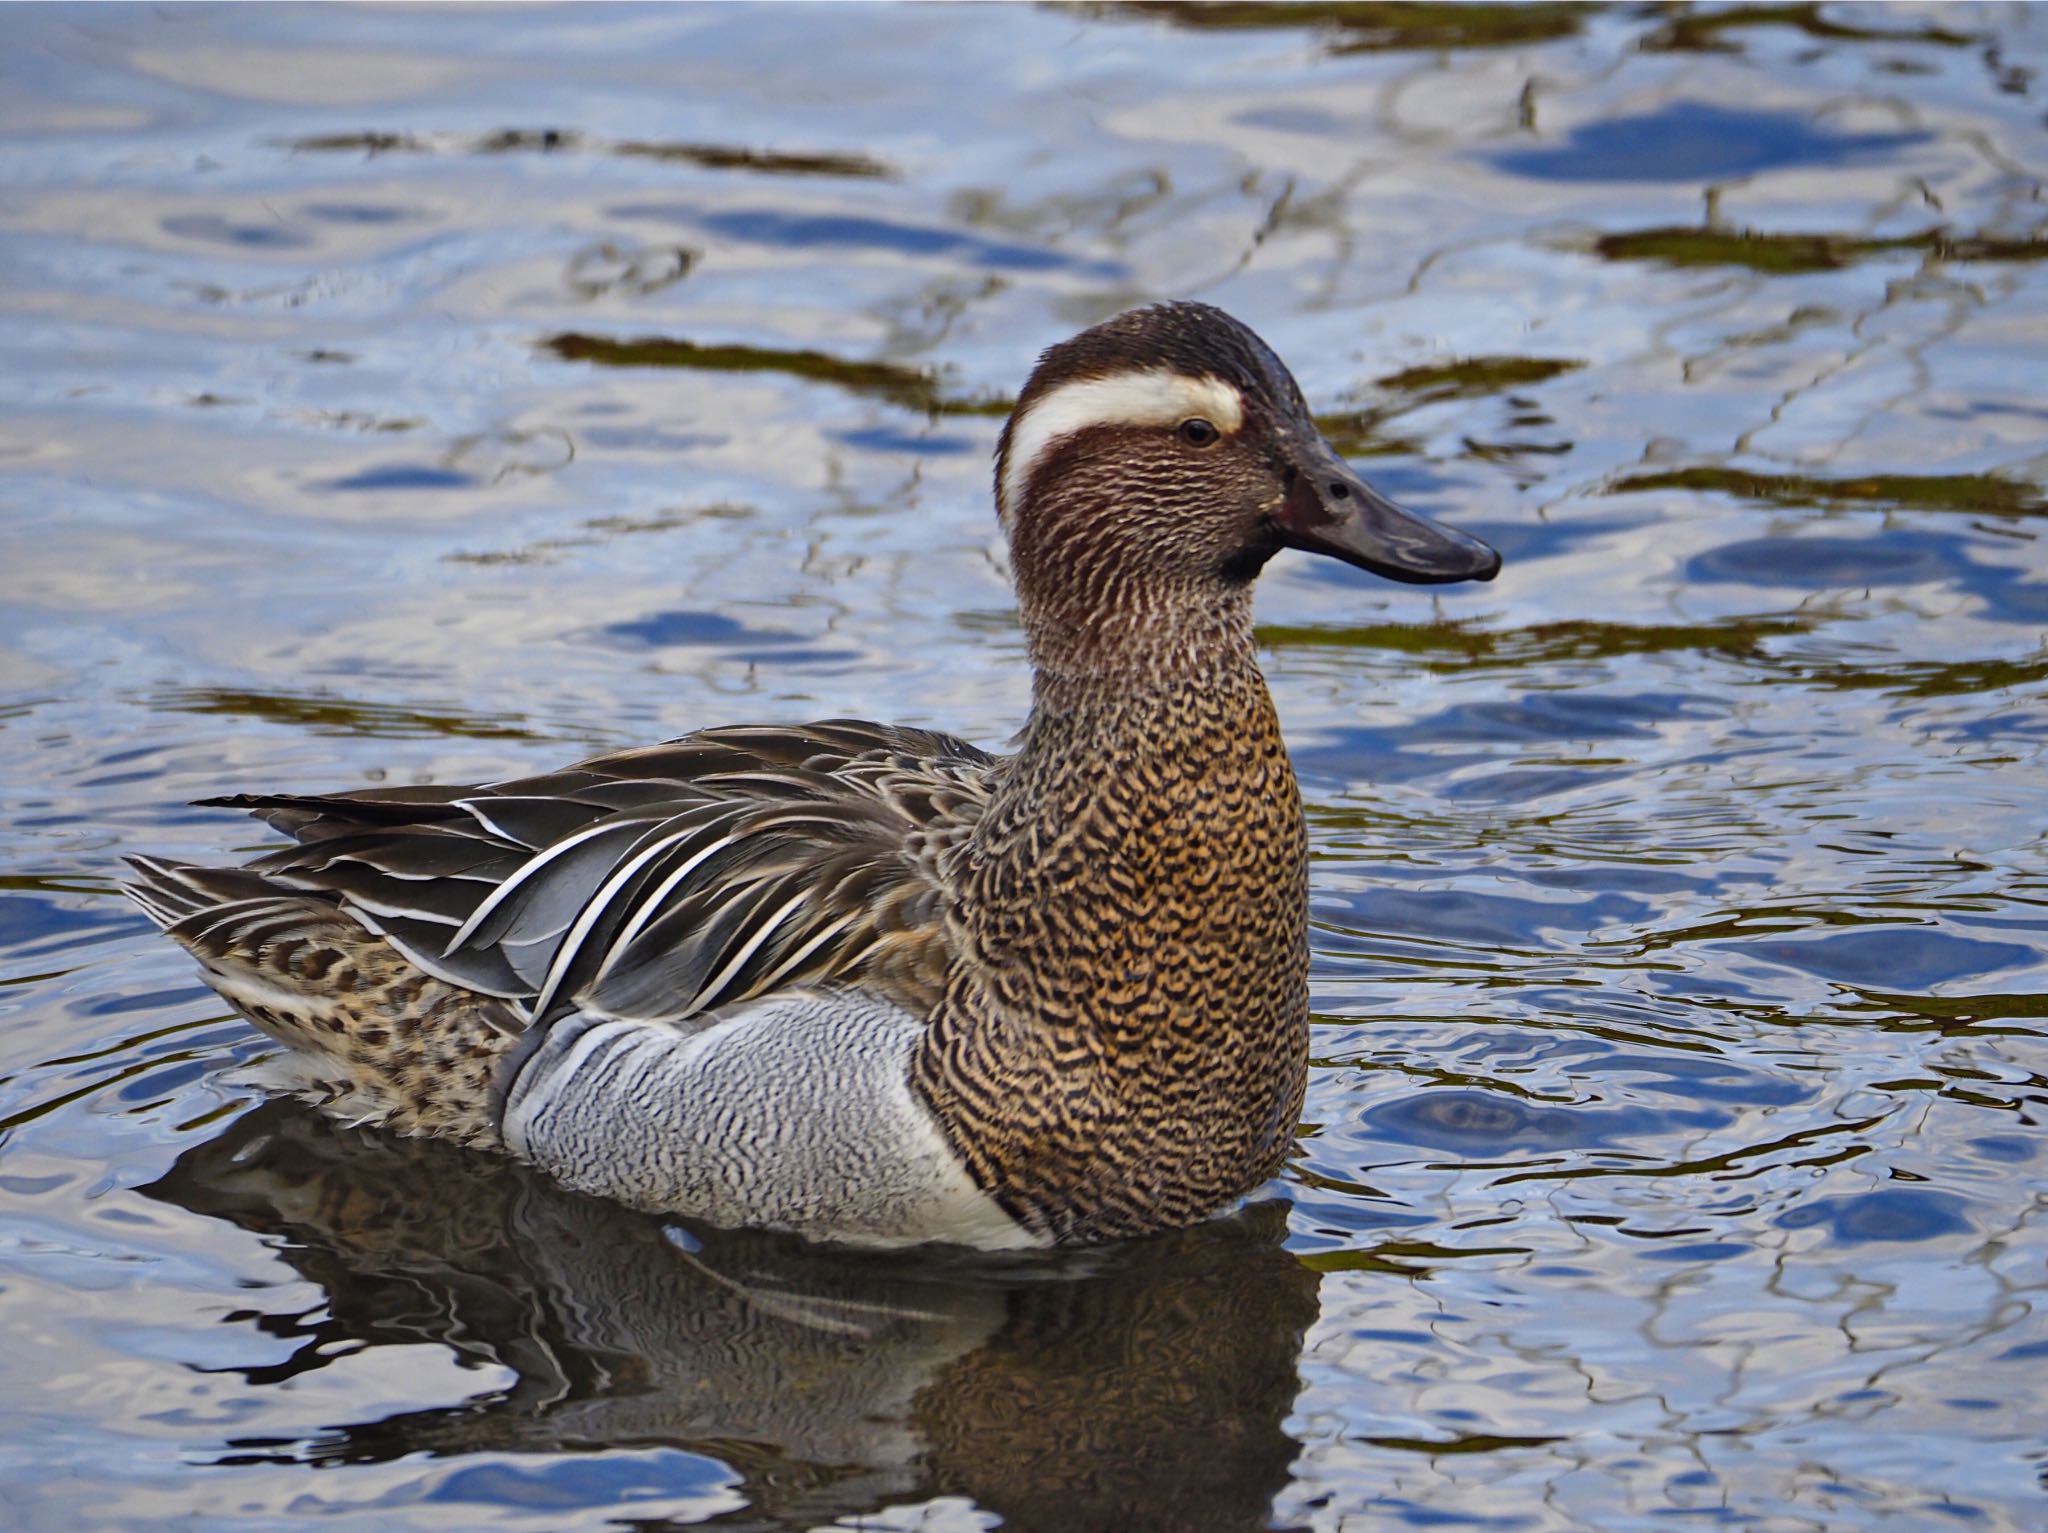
[1155,396]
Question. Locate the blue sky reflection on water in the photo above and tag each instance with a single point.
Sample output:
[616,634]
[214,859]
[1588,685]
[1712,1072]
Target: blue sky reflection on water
[402,395]
[1696,141]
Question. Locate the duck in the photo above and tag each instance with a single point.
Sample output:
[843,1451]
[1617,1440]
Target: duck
[870,983]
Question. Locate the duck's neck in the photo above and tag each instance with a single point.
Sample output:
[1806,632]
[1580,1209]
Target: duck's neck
[1123,1041]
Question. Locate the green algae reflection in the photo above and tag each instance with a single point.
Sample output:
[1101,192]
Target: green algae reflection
[1374,26]
[1975,494]
[911,387]
[1705,31]
[704,156]
[1356,432]
[1792,254]
[323,714]
[1459,646]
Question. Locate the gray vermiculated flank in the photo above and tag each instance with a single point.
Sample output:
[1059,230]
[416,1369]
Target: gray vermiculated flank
[793,1113]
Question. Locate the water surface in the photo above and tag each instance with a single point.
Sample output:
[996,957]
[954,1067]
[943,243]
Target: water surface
[395,395]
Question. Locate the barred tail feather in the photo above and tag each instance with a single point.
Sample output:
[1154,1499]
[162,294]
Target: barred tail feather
[371,1038]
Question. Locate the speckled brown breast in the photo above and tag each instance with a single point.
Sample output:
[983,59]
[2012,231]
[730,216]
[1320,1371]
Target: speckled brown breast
[1123,1044]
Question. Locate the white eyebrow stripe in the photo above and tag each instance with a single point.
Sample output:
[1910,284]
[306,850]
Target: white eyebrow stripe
[1153,396]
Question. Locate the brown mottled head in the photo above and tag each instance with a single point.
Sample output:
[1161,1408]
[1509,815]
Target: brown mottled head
[1169,447]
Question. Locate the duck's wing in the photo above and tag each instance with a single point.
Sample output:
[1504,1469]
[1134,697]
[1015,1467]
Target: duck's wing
[663,882]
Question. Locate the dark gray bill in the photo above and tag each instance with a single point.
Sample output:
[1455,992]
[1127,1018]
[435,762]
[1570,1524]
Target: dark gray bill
[1330,510]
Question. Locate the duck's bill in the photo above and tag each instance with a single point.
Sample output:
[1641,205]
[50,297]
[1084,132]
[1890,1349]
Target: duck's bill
[1330,510]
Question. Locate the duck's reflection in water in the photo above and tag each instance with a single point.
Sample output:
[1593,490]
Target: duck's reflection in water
[1139,1386]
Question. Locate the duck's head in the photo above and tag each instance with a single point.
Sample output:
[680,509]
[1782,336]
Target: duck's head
[1168,450]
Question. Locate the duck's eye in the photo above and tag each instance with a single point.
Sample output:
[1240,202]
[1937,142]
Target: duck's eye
[1197,432]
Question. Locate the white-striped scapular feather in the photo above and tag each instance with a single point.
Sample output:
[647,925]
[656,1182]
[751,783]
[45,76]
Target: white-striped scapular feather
[865,982]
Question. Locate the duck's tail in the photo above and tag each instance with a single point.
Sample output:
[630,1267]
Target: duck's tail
[369,1037]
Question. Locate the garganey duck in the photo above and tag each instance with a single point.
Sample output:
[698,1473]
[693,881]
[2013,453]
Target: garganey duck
[865,982]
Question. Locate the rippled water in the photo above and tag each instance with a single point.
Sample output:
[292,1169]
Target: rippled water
[403,394]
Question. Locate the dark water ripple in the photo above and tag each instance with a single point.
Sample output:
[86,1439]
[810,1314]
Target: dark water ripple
[398,395]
